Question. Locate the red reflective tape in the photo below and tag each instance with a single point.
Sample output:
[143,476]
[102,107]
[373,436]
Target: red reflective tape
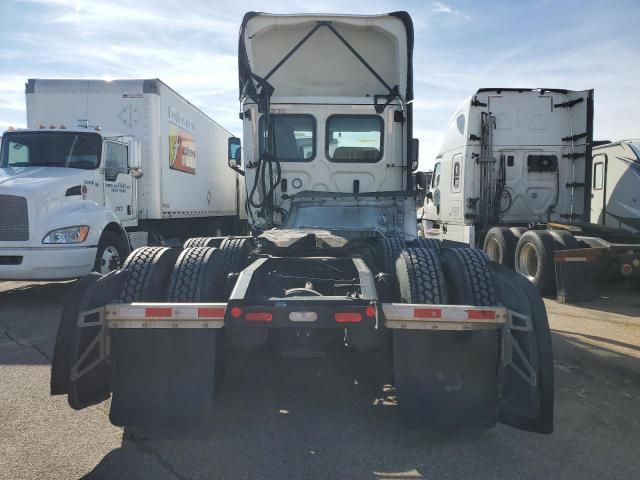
[427,312]
[211,312]
[258,317]
[481,314]
[348,317]
[158,312]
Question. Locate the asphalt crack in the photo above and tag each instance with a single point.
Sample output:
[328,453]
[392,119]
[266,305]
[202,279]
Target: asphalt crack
[24,345]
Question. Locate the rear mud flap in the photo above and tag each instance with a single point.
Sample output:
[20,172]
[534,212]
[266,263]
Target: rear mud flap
[449,378]
[163,377]
[90,371]
[527,355]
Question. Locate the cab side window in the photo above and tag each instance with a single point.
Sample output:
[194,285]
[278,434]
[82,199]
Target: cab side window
[435,180]
[116,161]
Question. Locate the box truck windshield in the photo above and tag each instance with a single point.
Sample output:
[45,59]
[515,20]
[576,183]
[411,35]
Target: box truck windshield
[51,149]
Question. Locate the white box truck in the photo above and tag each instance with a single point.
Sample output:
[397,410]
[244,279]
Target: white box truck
[105,167]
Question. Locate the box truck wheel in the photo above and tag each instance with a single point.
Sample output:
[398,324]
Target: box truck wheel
[534,259]
[443,379]
[500,245]
[112,250]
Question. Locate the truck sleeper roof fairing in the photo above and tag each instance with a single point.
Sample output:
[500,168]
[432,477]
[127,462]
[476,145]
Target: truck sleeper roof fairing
[361,56]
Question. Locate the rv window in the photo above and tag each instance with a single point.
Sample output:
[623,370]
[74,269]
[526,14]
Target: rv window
[435,181]
[354,138]
[116,161]
[294,137]
[598,176]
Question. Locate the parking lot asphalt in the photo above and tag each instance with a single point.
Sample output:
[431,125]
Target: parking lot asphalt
[327,417]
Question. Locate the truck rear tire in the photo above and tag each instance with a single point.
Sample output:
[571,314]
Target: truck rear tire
[443,379]
[148,270]
[564,240]
[468,276]
[236,253]
[213,242]
[112,250]
[534,259]
[500,245]
[428,243]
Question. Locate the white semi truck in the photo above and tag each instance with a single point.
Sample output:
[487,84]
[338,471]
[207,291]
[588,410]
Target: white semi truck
[516,177]
[328,154]
[105,167]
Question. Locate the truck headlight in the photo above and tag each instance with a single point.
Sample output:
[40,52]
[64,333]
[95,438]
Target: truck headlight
[67,235]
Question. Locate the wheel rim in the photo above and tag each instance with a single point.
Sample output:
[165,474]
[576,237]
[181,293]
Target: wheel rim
[528,261]
[110,259]
[493,250]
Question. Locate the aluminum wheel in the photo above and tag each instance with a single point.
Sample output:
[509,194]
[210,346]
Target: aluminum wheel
[528,260]
[492,249]
[110,259]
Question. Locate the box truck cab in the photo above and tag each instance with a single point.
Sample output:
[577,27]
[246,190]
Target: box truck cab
[66,195]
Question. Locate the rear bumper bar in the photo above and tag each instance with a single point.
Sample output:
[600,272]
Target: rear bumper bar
[218,315]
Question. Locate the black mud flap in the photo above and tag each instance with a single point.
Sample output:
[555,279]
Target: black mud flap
[527,356]
[67,331]
[89,370]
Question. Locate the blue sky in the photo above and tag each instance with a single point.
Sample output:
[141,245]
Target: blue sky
[460,46]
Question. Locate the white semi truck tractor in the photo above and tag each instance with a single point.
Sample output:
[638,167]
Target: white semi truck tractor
[334,260]
[103,168]
[517,176]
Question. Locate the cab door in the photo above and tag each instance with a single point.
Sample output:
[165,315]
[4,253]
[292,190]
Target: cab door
[119,191]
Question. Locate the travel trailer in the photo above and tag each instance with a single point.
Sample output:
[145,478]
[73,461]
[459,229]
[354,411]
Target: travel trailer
[615,189]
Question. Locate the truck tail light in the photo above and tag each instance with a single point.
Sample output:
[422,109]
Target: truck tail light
[258,317]
[348,317]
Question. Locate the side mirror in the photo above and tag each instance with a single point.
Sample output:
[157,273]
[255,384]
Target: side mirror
[429,195]
[415,146]
[234,152]
[136,172]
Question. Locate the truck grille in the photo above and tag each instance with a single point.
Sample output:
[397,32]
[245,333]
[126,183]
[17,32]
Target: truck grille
[14,219]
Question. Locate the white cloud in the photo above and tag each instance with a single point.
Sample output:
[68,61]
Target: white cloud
[443,8]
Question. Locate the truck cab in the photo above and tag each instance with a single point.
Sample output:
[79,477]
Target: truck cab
[66,195]
[307,125]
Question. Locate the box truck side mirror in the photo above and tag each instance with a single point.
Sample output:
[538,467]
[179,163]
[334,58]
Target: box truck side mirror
[415,146]
[234,151]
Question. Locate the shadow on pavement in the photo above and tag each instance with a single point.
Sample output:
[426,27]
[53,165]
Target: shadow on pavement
[29,317]
[329,418]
